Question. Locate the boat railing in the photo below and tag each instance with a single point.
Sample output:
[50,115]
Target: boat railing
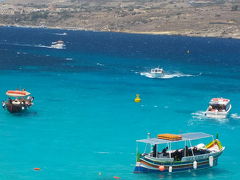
[159,159]
[202,156]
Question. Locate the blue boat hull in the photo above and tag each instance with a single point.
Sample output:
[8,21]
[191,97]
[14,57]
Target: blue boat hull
[143,167]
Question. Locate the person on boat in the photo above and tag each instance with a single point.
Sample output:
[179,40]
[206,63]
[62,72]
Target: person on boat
[155,150]
[10,100]
[210,108]
[177,155]
[164,151]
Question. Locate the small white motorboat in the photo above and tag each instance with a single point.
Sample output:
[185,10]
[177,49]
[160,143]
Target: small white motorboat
[58,45]
[157,72]
[218,108]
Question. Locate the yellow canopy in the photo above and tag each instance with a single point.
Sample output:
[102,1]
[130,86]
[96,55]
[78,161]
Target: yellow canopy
[170,137]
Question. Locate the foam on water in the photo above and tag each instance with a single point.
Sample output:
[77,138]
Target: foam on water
[235,116]
[200,115]
[167,75]
[50,47]
[61,34]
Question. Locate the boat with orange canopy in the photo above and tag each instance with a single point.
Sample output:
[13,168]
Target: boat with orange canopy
[18,100]
[181,152]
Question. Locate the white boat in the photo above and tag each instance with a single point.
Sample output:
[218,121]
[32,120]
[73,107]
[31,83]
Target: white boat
[157,72]
[218,108]
[58,45]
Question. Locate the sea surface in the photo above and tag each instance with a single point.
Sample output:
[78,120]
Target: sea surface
[84,123]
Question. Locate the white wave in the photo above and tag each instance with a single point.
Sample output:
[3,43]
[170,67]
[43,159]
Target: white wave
[102,152]
[235,116]
[69,59]
[61,34]
[167,75]
[99,64]
[44,46]
[200,115]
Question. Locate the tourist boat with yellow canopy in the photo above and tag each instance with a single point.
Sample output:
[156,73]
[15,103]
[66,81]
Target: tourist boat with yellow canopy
[176,153]
[18,100]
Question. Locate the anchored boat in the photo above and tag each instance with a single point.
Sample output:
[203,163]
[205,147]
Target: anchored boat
[18,101]
[218,108]
[169,159]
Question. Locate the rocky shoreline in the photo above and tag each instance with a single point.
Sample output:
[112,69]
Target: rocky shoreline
[215,18]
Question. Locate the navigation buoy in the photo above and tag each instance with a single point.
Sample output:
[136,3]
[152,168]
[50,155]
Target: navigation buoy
[161,168]
[37,169]
[137,99]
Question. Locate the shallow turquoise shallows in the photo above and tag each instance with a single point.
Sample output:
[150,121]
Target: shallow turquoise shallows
[84,122]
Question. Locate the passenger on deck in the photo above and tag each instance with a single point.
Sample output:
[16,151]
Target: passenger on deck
[164,151]
[210,108]
[186,153]
[155,150]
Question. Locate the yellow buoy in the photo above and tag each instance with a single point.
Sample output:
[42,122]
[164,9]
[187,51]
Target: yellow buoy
[137,99]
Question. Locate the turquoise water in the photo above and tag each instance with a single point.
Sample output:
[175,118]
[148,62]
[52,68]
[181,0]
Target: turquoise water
[84,122]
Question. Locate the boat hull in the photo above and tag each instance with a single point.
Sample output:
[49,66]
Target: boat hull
[13,107]
[157,75]
[16,108]
[216,115]
[143,167]
[146,164]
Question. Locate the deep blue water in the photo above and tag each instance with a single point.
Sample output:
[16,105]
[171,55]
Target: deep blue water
[84,122]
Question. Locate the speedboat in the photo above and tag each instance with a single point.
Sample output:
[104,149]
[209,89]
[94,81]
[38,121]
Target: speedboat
[157,72]
[218,108]
[163,153]
[17,101]
[58,45]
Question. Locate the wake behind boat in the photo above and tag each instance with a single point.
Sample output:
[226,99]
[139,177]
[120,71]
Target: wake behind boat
[22,101]
[180,159]
[218,108]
